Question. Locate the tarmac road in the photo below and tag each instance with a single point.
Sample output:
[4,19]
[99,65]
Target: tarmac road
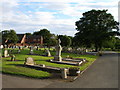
[102,74]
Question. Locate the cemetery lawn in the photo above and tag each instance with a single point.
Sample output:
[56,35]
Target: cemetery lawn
[17,67]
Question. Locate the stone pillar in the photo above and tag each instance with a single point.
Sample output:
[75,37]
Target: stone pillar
[58,52]
[64,73]
[6,53]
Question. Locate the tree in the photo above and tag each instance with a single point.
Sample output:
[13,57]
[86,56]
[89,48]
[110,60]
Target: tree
[28,34]
[48,38]
[13,37]
[65,40]
[5,36]
[95,27]
[9,36]
[71,38]
[117,44]
[110,43]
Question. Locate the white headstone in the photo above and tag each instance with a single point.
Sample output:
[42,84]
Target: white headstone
[6,53]
[1,46]
[29,61]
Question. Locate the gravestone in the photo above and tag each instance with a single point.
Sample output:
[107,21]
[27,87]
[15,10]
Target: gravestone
[1,46]
[31,50]
[13,58]
[86,50]
[5,46]
[48,53]
[29,61]
[6,53]
[58,52]
[18,51]
[13,47]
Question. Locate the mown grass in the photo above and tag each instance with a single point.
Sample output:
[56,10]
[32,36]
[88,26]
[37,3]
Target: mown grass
[17,67]
[118,51]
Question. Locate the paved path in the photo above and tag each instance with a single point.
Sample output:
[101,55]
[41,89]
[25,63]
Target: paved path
[102,74]
[21,82]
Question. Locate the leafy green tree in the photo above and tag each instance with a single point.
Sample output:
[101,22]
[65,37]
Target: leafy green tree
[65,40]
[48,38]
[13,37]
[9,36]
[117,44]
[5,36]
[71,38]
[28,34]
[95,27]
[110,43]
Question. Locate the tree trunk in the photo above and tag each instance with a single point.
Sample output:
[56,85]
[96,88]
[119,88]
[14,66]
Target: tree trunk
[96,48]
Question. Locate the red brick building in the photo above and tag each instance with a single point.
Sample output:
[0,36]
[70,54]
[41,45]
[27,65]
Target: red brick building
[29,40]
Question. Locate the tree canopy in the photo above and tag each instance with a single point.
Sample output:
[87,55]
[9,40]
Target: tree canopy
[9,36]
[48,38]
[28,34]
[94,28]
[117,43]
[65,40]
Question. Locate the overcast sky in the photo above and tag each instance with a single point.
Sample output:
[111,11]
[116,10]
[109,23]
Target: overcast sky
[58,16]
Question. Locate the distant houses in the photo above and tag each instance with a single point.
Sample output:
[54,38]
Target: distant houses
[29,40]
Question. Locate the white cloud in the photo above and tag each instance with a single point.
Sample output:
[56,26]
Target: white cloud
[65,1]
[32,21]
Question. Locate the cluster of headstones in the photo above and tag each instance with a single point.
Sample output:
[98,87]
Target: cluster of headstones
[7,55]
[76,50]
[73,50]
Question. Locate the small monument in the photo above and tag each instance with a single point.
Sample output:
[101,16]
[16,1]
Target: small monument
[6,53]
[18,51]
[5,46]
[1,46]
[47,52]
[31,50]
[13,58]
[58,52]
[29,61]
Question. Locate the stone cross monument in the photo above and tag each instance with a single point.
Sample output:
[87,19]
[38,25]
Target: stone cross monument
[58,52]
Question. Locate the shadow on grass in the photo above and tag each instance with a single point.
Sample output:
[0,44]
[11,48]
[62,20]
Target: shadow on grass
[29,77]
[35,67]
[41,55]
[22,60]
[55,74]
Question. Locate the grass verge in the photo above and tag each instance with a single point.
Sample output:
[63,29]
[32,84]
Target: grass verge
[17,68]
